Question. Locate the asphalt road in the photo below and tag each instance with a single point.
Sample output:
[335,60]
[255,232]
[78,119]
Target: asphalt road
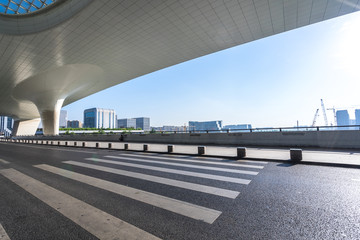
[49,192]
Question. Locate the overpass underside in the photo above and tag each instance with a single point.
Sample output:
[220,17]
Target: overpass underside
[72,49]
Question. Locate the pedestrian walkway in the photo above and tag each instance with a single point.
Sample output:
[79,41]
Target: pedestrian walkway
[184,173]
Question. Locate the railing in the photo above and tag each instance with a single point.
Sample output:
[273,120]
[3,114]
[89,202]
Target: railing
[279,129]
[251,130]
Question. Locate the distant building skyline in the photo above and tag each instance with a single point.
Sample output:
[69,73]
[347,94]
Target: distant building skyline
[205,125]
[6,125]
[74,124]
[342,118]
[63,119]
[126,123]
[237,126]
[99,118]
[143,123]
[357,116]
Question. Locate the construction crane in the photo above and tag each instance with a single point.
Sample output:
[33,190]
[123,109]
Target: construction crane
[324,112]
[315,117]
[334,112]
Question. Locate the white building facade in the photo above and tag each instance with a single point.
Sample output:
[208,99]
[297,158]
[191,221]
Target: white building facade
[99,118]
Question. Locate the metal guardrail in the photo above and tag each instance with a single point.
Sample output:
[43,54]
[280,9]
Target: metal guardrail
[280,129]
[251,130]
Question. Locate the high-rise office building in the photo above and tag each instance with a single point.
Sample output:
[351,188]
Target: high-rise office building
[342,118]
[99,118]
[126,123]
[6,126]
[63,119]
[203,126]
[143,123]
[357,116]
[74,124]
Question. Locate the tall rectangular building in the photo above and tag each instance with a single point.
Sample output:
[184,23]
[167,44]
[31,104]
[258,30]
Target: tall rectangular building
[63,119]
[127,123]
[203,126]
[143,123]
[357,116]
[6,126]
[99,118]
[342,118]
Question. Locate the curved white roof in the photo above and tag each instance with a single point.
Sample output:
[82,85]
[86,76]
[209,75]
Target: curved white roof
[127,39]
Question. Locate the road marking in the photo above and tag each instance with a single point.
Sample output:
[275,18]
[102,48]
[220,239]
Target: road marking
[99,223]
[167,181]
[183,208]
[169,170]
[56,149]
[198,161]
[186,165]
[3,234]
[4,162]
[184,156]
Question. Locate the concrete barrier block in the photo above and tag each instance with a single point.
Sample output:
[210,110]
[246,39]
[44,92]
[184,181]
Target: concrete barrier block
[241,152]
[145,147]
[201,150]
[170,148]
[295,154]
[126,146]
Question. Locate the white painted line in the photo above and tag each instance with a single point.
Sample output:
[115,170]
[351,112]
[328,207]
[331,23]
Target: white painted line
[56,149]
[4,162]
[169,170]
[240,160]
[187,165]
[198,161]
[3,234]
[99,223]
[183,208]
[184,156]
[358,180]
[167,181]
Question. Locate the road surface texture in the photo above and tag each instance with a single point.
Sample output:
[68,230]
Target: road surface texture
[51,192]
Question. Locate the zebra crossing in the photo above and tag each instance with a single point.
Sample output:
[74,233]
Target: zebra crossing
[106,226]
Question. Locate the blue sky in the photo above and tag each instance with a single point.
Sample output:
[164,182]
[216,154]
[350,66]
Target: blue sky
[272,82]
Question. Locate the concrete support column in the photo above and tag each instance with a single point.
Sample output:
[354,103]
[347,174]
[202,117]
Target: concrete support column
[25,127]
[50,117]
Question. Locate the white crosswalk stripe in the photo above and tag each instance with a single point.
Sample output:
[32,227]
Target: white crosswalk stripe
[167,181]
[105,226]
[169,170]
[187,165]
[192,157]
[173,205]
[3,234]
[196,161]
[95,221]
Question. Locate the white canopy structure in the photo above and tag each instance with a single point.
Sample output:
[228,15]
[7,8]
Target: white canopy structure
[63,51]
